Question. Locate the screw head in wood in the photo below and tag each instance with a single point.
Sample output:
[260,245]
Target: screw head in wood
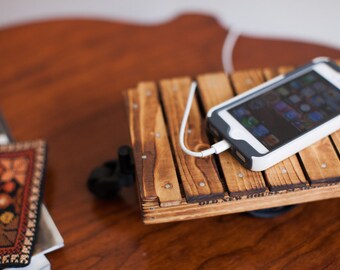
[201,184]
[283,170]
[248,81]
[158,135]
[323,165]
[144,156]
[240,175]
[168,186]
[135,106]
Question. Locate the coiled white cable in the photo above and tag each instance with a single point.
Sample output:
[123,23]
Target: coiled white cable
[215,148]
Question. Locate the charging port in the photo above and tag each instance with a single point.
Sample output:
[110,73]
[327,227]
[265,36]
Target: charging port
[240,156]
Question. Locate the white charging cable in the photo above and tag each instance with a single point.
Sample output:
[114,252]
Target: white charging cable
[216,148]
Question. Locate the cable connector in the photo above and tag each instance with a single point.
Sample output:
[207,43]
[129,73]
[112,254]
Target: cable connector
[216,148]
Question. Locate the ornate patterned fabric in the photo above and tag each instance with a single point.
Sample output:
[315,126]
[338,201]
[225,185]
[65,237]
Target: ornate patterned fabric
[21,173]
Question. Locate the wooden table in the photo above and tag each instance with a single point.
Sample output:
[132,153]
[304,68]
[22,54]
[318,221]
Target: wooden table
[63,81]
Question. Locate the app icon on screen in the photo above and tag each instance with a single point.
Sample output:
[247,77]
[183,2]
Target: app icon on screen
[240,112]
[308,78]
[280,106]
[249,122]
[283,91]
[302,124]
[308,91]
[305,107]
[295,84]
[319,86]
[270,140]
[315,116]
[256,104]
[291,114]
[294,98]
[260,130]
[318,101]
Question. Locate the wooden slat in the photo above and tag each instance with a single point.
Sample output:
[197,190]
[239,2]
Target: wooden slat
[199,176]
[154,164]
[320,160]
[214,89]
[287,174]
[147,192]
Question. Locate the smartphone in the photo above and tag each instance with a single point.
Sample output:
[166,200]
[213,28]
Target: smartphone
[275,120]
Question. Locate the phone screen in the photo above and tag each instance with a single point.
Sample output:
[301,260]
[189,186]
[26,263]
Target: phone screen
[288,111]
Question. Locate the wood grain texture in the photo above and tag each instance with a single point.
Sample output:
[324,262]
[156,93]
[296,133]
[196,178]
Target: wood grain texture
[321,162]
[199,176]
[146,189]
[152,152]
[62,80]
[214,89]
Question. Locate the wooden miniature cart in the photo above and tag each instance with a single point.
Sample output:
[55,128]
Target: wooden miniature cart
[173,186]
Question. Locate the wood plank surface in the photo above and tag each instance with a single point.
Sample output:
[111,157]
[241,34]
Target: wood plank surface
[146,188]
[158,165]
[214,89]
[199,176]
[320,160]
[152,154]
[287,174]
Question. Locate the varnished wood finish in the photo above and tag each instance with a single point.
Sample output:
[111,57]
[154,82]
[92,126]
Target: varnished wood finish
[63,81]
[285,181]
[199,176]
[152,153]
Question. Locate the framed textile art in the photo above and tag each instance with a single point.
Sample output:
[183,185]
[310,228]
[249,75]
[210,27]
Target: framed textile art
[22,168]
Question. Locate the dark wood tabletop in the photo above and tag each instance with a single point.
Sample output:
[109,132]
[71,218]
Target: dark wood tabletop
[62,81]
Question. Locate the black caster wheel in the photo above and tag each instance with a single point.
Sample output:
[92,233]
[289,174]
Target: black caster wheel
[105,182]
[271,212]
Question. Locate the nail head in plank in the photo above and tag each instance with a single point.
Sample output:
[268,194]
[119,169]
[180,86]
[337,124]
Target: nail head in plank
[321,162]
[214,89]
[146,191]
[158,165]
[199,176]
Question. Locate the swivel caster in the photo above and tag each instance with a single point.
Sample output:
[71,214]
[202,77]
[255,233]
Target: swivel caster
[105,182]
[271,212]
